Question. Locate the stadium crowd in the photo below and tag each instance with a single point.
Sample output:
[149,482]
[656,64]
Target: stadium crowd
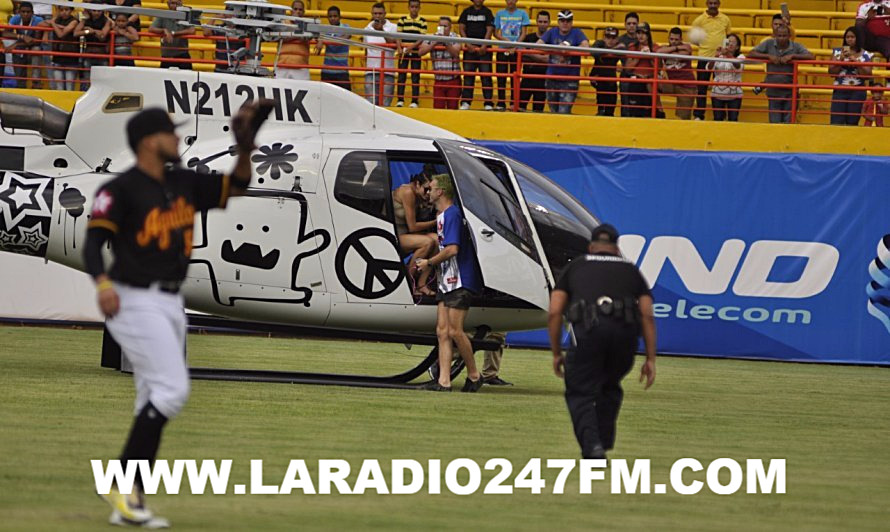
[65,45]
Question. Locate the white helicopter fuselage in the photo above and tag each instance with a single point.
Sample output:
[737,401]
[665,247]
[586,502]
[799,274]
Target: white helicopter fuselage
[313,242]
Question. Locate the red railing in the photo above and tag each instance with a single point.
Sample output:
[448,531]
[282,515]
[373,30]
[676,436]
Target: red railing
[635,96]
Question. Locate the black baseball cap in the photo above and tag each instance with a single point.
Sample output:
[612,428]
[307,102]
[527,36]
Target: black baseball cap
[565,14]
[147,123]
[611,31]
[605,233]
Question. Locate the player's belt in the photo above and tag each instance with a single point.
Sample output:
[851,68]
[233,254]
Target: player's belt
[171,287]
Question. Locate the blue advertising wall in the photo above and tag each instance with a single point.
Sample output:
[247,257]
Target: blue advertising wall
[774,256]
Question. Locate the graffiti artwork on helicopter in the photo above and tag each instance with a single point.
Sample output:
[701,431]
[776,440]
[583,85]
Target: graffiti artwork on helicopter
[272,161]
[241,260]
[380,276]
[26,202]
[72,202]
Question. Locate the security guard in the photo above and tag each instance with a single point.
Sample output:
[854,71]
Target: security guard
[609,303]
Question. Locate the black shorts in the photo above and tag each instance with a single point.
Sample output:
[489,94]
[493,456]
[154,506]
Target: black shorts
[459,299]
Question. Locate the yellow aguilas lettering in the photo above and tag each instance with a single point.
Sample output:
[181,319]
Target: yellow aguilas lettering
[158,224]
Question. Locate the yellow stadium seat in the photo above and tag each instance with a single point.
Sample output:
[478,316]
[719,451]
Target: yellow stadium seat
[842,23]
[616,16]
[668,3]
[361,6]
[428,9]
[848,6]
[735,4]
[801,5]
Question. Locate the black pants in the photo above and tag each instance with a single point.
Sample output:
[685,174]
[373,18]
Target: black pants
[474,61]
[626,96]
[593,374]
[639,99]
[606,97]
[340,78]
[532,90]
[411,61]
[182,65]
[506,64]
[722,108]
[701,103]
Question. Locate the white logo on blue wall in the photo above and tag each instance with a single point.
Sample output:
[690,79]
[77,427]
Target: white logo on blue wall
[737,272]
[878,289]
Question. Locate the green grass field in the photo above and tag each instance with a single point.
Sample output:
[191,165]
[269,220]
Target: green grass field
[58,410]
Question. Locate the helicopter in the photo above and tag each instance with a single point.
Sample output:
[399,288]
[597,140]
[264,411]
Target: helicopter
[313,242]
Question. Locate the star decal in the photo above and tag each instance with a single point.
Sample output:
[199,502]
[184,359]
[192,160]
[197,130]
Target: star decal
[21,197]
[33,237]
[6,239]
[102,203]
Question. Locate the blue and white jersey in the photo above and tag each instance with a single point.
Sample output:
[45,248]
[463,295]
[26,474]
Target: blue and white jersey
[460,271]
[511,24]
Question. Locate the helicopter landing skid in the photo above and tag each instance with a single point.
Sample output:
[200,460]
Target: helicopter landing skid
[398,381]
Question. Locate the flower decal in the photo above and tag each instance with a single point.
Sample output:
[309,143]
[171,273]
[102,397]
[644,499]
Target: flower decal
[275,159]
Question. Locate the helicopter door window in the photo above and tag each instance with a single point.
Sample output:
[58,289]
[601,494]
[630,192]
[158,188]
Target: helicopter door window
[500,171]
[363,184]
[488,197]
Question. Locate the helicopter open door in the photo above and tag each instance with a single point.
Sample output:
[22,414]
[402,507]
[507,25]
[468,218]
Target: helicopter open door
[508,249]
[368,264]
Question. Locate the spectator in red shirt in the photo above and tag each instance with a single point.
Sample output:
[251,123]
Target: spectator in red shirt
[446,63]
[873,24]
[875,108]
[640,70]
[679,70]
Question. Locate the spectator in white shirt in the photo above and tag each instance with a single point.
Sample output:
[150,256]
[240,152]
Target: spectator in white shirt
[380,64]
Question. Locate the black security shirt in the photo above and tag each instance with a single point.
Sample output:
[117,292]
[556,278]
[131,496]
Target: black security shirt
[589,277]
[604,63]
[476,21]
[152,221]
[531,67]
[628,43]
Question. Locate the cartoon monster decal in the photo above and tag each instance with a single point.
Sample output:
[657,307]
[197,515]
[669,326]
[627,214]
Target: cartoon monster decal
[247,258]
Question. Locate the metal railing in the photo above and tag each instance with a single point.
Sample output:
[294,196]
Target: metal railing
[510,80]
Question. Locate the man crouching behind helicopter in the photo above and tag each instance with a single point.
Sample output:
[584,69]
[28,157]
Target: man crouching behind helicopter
[147,212]
[459,278]
[609,303]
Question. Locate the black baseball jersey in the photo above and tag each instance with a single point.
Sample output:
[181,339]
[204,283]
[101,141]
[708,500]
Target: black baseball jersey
[152,221]
[590,276]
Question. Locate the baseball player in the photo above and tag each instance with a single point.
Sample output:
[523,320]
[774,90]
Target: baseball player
[147,212]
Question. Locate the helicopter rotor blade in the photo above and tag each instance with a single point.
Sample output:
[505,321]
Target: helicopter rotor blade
[182,13]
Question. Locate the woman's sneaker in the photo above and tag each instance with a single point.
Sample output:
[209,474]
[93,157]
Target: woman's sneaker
[434,386]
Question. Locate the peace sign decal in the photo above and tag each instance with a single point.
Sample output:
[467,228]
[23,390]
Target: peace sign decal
[378,270]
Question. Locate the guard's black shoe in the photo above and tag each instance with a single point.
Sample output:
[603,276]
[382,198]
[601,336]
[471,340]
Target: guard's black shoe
[596,453]
[497,381]
[472,386]
[435,387]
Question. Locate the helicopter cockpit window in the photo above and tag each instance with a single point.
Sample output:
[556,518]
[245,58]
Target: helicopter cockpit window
[546,194]
[363,184]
